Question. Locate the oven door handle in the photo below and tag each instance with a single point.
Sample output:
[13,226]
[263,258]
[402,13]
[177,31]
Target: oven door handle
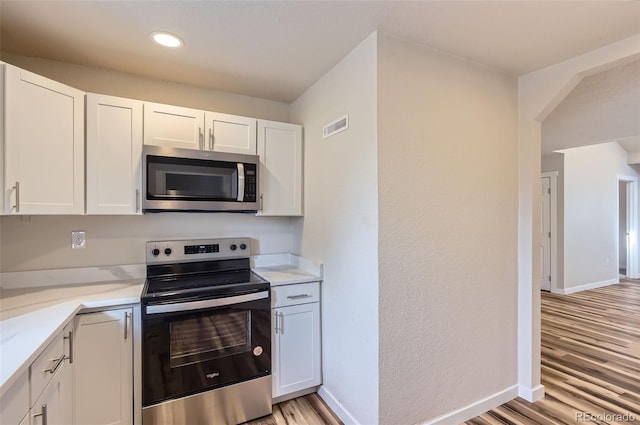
[197,305]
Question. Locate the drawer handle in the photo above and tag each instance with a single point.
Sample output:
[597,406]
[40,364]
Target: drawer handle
[297,297]
[55,367]
[43,413]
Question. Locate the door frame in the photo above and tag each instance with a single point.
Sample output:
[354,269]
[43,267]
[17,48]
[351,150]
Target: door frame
[632,224]
[553,204]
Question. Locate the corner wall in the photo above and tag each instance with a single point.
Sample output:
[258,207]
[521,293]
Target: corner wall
[447,151]
[340,228]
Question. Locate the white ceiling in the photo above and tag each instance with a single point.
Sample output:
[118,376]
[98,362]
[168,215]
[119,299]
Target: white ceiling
[602,107]
[276,49]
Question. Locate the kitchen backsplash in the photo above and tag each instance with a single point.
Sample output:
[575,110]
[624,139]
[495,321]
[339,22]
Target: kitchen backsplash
[44,242]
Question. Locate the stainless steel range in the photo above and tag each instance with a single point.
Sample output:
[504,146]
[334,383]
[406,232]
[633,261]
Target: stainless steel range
[206,328]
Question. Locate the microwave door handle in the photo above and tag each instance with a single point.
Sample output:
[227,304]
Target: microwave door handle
[240,182]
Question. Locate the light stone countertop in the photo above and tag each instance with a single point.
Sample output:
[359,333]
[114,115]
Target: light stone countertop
[32,317]
[286,269]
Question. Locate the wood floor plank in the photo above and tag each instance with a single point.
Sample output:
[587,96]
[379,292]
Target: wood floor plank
[307,410]
[590,360]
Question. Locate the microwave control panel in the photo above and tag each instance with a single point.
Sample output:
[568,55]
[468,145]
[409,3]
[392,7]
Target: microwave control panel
[250,182]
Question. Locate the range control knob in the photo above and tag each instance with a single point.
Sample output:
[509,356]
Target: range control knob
[167,251]
[243,246]
[155,252]
[233,247]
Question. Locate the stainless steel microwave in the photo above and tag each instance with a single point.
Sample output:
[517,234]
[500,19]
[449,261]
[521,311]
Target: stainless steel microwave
[192,180]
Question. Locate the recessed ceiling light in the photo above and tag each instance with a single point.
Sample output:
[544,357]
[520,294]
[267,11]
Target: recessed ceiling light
[167,39]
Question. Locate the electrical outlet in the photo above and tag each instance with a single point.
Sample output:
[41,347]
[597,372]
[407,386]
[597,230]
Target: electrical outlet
[78,239]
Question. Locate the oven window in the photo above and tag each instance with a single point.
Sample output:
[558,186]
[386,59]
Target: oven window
[209,336]
[191,179]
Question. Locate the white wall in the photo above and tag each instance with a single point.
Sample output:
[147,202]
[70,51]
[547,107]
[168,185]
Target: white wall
[43,242]
[538,93]
[121,84]
[340,227]
[591,213]
[447,151]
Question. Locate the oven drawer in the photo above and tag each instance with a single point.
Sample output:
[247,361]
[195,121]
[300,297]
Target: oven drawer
[300,293]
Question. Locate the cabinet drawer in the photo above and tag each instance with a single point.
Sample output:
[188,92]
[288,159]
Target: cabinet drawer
[15,401]
[45,366]
[300,293]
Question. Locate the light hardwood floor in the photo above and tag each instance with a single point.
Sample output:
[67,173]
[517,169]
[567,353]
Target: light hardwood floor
[590,361]
[307,410]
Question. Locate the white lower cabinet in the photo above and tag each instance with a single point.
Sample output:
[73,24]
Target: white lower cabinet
[103,367]
[295,338]
[52,383]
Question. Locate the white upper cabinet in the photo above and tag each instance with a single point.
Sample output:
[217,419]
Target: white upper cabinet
[178,127]
[173,126]
[280,151]
[230,133]
[43,145]
[114,153]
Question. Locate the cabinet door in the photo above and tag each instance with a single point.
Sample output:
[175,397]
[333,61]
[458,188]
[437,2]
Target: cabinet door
[44,145]
[49,409]
[280,150]
[230,133]
[173,126]
[103,368]
[296,351]
[114,155]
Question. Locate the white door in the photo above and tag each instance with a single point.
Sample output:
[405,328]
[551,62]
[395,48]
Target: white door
[114,154]
[230,133]
[280,178]
[296,348]
[173,126]
[103,362]
[545,237]
[44,145]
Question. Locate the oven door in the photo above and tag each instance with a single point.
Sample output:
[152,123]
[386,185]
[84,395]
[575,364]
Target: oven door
[199,345]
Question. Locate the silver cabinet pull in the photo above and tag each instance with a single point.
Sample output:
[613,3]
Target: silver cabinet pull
[210,140]
[276,313]
[126,325]
[200,138]
[70,338]
[281,322]
[43,413]
[297,297]
[17,189]
[137,200]
[57,364]
[261,202]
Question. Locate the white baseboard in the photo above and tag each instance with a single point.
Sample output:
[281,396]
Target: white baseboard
[475,409]
[531,394]
[587,286]
[337,407]
[57,277]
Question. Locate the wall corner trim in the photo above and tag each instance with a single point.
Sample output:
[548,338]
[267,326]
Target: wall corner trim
[336,406]
[474,409]
[531,394]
